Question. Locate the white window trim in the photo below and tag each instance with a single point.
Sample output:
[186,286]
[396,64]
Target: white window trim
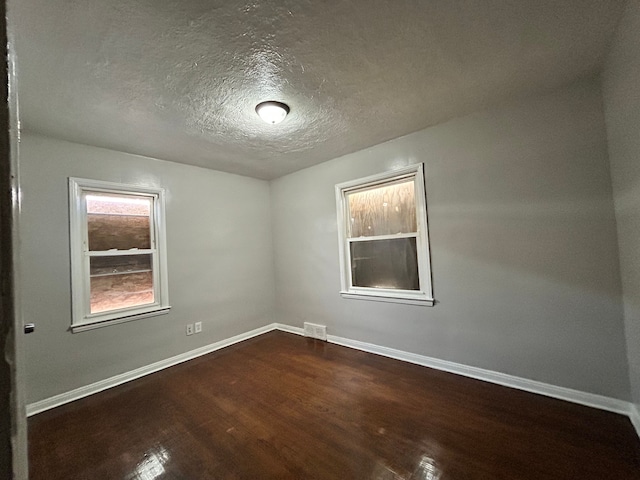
[81,320]
[422,297]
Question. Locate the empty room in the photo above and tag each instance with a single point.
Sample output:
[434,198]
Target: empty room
[325,240]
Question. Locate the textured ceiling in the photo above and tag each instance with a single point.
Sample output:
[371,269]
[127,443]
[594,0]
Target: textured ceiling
[179,79]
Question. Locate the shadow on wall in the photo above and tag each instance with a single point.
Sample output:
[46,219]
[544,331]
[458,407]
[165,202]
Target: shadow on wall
[529,200]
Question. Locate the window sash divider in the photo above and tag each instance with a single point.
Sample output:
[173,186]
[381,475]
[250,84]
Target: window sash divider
[110,274]
[119,253]
[383,237]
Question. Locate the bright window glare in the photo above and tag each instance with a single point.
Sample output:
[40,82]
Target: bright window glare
[130,200]
[118,204]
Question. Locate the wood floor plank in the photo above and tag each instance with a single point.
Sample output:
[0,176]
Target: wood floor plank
[280,406]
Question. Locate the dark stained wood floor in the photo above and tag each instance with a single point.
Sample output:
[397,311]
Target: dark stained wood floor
[280,406]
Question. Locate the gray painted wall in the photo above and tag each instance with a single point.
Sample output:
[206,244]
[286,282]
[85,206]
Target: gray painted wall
[523,238]
[219,259]
[621,93]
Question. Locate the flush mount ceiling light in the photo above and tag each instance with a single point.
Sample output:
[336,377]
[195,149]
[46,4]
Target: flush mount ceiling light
[272,112]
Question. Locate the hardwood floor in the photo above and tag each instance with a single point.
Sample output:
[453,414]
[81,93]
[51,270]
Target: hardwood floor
[280,406]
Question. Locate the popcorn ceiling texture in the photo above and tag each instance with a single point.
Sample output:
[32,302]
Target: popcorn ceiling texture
[179,79]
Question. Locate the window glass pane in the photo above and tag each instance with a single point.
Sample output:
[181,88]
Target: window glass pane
[389,263]
[383,210]
[118,221]
[120,282]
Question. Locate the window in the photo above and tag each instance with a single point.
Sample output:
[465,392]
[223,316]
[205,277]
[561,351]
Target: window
[384,244]
[118,259]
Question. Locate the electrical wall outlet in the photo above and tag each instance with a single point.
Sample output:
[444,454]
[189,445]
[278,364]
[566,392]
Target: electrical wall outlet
[190,329]
[198,326]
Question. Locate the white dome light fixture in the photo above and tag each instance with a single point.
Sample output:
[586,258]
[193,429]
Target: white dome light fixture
[272,112]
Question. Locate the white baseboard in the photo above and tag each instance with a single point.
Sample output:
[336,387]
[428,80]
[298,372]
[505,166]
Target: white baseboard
[562,393]
[634,416]
[87,390]
[289,329]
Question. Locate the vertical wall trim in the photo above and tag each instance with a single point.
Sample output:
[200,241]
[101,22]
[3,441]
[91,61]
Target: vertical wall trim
[7,371]
[11,251]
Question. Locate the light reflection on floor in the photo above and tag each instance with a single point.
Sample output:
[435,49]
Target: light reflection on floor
[152,466]
[427,470]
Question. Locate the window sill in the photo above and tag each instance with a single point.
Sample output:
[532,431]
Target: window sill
[82,327]
[424,302]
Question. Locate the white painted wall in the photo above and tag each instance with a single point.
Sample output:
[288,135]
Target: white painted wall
[219,259]
[621,92]
[523,239]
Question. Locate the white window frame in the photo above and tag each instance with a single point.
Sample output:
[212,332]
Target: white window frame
[424,296]
[82,319]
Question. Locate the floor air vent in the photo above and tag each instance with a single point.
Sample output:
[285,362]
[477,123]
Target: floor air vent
[315,331]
